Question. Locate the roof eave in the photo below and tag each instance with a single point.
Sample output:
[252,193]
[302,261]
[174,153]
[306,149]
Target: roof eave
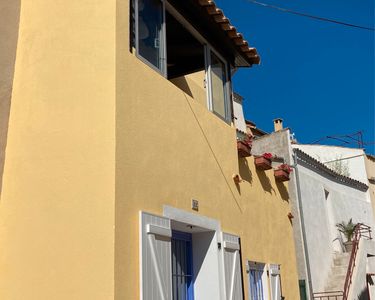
[245,55]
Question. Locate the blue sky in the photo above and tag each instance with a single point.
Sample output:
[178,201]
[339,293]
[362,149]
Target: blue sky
[317,76]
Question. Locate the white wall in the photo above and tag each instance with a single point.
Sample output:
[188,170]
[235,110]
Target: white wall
[206,266]
[324,153]
[239,120]
[346,202]
[358,289]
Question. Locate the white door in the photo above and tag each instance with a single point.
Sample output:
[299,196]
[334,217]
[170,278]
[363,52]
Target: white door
[155,257]
[232,267]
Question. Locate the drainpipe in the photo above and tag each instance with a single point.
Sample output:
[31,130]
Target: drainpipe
[300,209]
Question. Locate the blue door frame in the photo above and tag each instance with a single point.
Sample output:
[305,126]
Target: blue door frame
[182,266]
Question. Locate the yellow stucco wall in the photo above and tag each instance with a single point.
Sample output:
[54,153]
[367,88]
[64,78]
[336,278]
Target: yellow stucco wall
[171,149]
[9,20]
[57,204]
[95,136]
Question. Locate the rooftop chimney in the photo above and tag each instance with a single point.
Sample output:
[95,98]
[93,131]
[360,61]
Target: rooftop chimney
[278,124]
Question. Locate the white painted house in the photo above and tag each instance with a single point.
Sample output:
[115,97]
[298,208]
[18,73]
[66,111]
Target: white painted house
[320,198]
[328,198]
[351,160]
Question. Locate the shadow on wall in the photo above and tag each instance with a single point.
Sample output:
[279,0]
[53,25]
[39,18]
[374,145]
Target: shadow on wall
[245,172]
[364,295]
[182,83]
[202,242]
[265,182]
[283,191]
[9,24]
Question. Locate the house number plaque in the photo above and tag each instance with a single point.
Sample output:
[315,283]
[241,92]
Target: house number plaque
[194,204]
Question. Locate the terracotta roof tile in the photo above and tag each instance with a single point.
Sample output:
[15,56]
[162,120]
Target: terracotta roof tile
[249,53]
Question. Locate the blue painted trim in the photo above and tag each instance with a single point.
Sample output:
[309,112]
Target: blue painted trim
[186,237]
[190,267]
[183,236]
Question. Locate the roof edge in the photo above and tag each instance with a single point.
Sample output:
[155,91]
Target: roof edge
[312,162]
[243,48]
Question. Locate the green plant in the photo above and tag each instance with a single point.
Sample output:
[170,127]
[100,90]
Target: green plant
[347,229]
[339,166]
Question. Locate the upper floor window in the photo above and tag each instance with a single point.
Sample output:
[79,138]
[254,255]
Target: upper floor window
[168,43]
[218,85]
[150,32]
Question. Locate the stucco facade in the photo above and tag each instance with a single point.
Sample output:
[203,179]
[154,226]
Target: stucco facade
[9,20]
[190,154]
[325,203]
[94,137]
[279,144]
[58,197]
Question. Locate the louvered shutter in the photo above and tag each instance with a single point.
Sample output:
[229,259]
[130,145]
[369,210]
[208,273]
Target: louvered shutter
[232,267]
[155,260]
[274,274]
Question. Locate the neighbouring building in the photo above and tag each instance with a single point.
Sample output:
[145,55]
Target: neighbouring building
[370,169]
[328,186]
[122,178]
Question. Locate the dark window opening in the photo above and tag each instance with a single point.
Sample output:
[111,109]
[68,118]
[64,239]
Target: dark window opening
[185,54]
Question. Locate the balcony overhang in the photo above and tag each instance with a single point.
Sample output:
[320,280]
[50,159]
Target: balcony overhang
[212,24]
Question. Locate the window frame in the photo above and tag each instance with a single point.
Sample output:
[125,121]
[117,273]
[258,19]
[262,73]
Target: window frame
[209,87]
[259,266]
[162,43]
[208,48]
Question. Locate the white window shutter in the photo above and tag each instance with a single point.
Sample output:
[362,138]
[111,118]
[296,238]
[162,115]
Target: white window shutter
[232,267]
[274,274]
[155,258]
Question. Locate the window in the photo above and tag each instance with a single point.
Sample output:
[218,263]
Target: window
[218,85]
[256,285]
[150,32]
[256,281]
[262,276]
[173,47]
[185,53]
